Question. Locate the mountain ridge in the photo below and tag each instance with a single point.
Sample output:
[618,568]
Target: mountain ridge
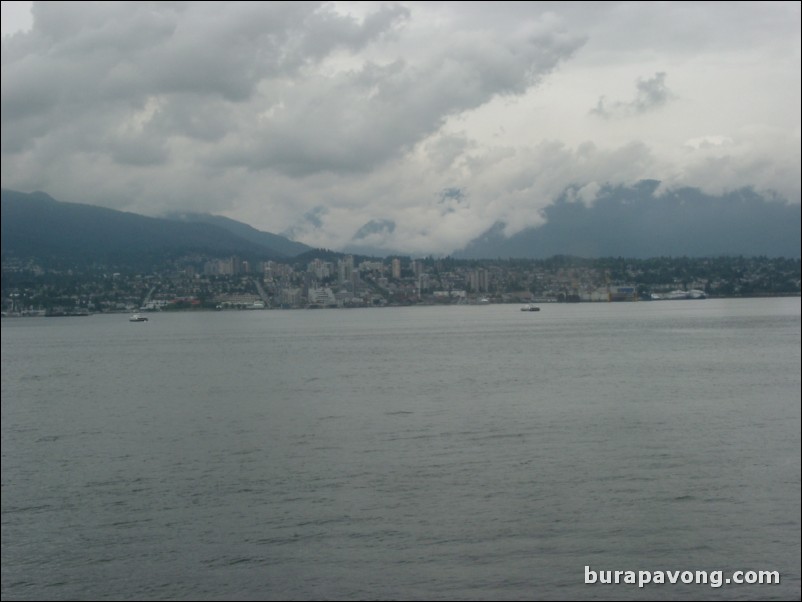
[281,244]
[634,221]
[37,225]
[622,221]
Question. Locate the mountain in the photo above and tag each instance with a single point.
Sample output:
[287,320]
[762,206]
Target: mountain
[34,225]
[280,244]
[621,222]
[633,222]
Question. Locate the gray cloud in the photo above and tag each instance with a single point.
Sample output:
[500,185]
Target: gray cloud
[245,78]
[451,199]
[304,118]
[357,119]
[311,221]
[452,193]
[651,94]
[97,58]
[373,227]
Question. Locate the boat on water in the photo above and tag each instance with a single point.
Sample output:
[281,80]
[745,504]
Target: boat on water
[530,307]
[690,294]
[137,318]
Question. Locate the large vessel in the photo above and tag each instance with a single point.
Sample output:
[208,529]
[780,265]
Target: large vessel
[691,294]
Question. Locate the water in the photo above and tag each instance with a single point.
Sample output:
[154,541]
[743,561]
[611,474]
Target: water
[403,453]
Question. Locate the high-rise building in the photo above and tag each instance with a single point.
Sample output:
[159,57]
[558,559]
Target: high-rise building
[478,281]
[345,268]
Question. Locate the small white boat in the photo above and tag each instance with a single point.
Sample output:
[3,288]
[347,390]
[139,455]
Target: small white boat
[530,307]
[137,318]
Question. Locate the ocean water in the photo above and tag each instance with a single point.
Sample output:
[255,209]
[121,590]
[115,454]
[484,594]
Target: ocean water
[427,453]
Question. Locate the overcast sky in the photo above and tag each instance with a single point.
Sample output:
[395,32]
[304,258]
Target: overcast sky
[411,125]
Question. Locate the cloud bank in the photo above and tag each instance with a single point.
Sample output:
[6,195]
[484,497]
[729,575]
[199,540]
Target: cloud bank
[406,126]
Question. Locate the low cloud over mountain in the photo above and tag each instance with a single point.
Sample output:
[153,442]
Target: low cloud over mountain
[636,222]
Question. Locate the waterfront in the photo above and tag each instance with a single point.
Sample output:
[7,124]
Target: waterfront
[462,452]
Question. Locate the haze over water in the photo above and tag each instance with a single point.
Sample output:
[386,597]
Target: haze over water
[462,452]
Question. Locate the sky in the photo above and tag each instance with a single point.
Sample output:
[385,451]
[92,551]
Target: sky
[408,125]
